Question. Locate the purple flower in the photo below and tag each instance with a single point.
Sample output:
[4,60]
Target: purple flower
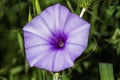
[55,38]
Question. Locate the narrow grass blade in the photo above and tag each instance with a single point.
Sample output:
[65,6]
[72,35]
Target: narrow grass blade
[37,7]
[39,74]
[106,71]
[16,70]
[29,15]
[20,41]
[43,72]
[69,5]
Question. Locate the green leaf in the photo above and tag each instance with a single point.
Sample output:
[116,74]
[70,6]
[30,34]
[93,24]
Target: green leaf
[29,15]
[20,41]
[16,70]
[40,74]
[106,71]
[69,5]
[37,7]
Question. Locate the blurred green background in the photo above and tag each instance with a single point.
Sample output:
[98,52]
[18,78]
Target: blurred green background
[102,64]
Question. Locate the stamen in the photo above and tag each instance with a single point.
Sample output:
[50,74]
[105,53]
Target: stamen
[61,44]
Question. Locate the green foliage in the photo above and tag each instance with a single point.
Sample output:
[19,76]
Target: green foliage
[36,7]
[85,3]
[105,28]
[106,71]
[29,15]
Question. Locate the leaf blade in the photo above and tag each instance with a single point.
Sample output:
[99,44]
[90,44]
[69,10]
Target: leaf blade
[106,71]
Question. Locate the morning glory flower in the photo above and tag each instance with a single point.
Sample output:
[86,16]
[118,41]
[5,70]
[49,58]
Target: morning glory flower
[55,38]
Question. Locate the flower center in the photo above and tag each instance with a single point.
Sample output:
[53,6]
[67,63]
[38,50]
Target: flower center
[58,42]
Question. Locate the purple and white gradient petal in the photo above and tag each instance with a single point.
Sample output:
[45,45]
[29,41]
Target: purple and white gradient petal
[55,38]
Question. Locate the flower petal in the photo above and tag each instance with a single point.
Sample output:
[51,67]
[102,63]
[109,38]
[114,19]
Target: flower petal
[80,35]
[63,15]
[47,61]
[32,40]
[38,26]
[62,61]
[74,22]
[55,17]
[35,54]
[74,50]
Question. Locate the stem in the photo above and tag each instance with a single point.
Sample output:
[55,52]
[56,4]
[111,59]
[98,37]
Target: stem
[82,12]
[56,76]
